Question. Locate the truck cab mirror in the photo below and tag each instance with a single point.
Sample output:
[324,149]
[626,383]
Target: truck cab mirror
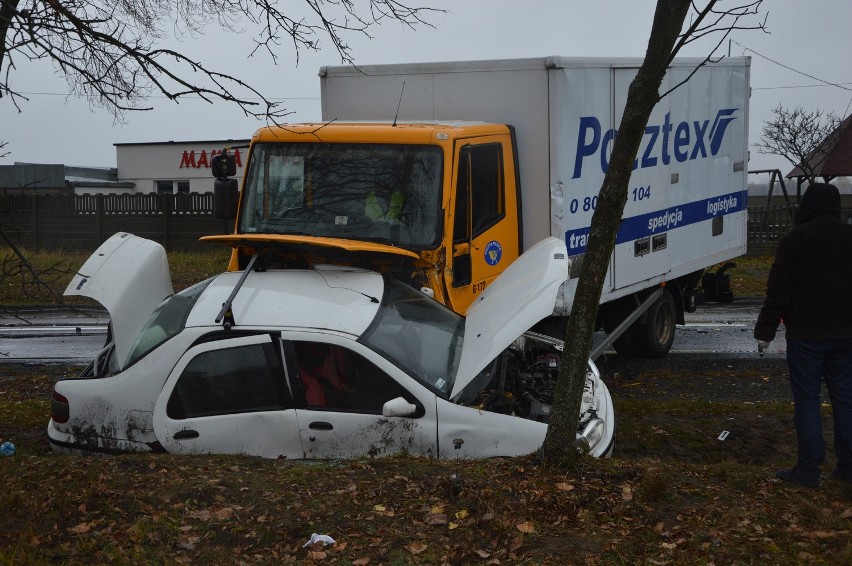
[226,195]
[224,165]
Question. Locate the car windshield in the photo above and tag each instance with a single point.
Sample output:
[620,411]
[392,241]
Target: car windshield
[419,335]
[167,320]
[376,192]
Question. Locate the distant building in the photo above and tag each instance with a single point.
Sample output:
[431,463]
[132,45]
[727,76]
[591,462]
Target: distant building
[174,167]
[155,167]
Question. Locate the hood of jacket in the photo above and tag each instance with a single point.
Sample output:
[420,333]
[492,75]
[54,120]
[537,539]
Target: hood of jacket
[820,199]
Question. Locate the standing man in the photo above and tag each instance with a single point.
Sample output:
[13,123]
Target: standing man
[810,289]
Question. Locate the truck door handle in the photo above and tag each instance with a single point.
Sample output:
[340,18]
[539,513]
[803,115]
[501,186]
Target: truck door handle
[185,434]
[320,425]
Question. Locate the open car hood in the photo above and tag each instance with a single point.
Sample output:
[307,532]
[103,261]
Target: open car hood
[129,276]
[517,299]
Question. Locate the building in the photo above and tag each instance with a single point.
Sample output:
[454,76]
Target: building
[142,168]
[174,167]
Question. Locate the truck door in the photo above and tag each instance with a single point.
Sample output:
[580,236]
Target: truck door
[485,230]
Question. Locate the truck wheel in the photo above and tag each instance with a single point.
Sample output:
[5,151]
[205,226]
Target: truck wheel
[625,345]
[653,338]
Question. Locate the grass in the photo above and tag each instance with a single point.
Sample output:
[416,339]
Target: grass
[56,268]
[748,278]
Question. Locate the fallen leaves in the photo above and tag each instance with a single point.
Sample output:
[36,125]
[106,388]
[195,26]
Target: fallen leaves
[220,514]
[81,528]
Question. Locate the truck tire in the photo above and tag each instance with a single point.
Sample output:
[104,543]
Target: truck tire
[653,338]
[625,345]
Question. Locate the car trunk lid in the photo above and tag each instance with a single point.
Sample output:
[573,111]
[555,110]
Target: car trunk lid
[129,276]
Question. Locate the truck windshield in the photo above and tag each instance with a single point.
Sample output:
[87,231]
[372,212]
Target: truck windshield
[418,335]
[376,192]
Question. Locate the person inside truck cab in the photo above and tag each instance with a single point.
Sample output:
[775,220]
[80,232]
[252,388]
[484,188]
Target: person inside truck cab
[322,370]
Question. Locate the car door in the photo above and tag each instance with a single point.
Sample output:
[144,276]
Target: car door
[350,424]
[229,397]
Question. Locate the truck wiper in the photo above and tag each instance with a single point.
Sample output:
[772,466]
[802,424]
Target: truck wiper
[226,306]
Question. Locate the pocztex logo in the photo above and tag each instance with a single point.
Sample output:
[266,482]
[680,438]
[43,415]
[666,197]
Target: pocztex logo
[493,252]
[683,141]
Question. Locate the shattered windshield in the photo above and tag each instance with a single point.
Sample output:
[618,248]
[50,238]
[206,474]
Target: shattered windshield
[376,192]
[419,335]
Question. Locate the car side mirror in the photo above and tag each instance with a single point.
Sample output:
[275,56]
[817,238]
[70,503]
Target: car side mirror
[398,407]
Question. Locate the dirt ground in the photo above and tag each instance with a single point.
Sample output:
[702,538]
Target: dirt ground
[673,493]
[688,401]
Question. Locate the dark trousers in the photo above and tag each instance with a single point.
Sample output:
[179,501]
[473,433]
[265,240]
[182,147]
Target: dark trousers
[810,362]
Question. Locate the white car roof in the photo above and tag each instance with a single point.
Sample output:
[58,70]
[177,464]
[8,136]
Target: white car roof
[339,299]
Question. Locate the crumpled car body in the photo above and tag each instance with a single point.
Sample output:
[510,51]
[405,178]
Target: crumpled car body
[321,363]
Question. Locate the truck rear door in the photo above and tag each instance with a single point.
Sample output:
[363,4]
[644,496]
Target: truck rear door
[483,219]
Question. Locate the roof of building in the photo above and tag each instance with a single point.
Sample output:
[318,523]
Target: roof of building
[833,157]
[55,176]
[230,142]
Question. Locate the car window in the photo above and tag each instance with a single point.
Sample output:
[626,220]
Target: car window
[229,380]
[167,320]
[333,377]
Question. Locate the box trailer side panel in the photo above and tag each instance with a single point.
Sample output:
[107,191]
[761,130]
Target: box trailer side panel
[686,206]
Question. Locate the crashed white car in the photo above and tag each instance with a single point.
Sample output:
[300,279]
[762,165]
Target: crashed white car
[328,362]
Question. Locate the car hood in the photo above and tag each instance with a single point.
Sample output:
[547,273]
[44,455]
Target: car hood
[520,297]
[129,276]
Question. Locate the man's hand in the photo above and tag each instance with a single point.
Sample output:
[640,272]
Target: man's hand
[762,346]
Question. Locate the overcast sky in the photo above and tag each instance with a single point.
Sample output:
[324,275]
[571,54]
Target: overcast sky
[806,38]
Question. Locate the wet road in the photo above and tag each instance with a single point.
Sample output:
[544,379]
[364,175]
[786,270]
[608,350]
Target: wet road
[65,336]
[51,335]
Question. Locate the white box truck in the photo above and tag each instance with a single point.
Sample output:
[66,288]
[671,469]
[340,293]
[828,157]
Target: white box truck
[441,174]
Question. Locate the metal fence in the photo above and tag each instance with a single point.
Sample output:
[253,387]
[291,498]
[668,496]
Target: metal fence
[768,224]
[83,222]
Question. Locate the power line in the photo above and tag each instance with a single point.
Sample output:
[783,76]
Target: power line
[795,86]
[789,68]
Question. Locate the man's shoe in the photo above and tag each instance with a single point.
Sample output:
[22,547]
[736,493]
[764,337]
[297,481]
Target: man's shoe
[846,478]
[794,476]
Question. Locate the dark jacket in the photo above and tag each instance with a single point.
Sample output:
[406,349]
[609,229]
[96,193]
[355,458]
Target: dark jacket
[810,283]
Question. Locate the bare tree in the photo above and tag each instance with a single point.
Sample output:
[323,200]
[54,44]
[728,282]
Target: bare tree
[2,145]
[802,137]
[669,34]
[113,53]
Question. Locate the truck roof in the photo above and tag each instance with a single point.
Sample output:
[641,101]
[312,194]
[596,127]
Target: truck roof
[376,131]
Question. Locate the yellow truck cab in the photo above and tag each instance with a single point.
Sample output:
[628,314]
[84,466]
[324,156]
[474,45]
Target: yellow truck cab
[373,195]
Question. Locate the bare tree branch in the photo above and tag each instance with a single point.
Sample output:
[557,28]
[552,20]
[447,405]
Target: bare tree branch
[804,138]
[115,54]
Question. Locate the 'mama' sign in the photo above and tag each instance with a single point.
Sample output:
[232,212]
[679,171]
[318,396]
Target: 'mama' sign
[191,159]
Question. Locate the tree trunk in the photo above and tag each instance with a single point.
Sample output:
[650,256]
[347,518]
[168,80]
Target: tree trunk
[642,96]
